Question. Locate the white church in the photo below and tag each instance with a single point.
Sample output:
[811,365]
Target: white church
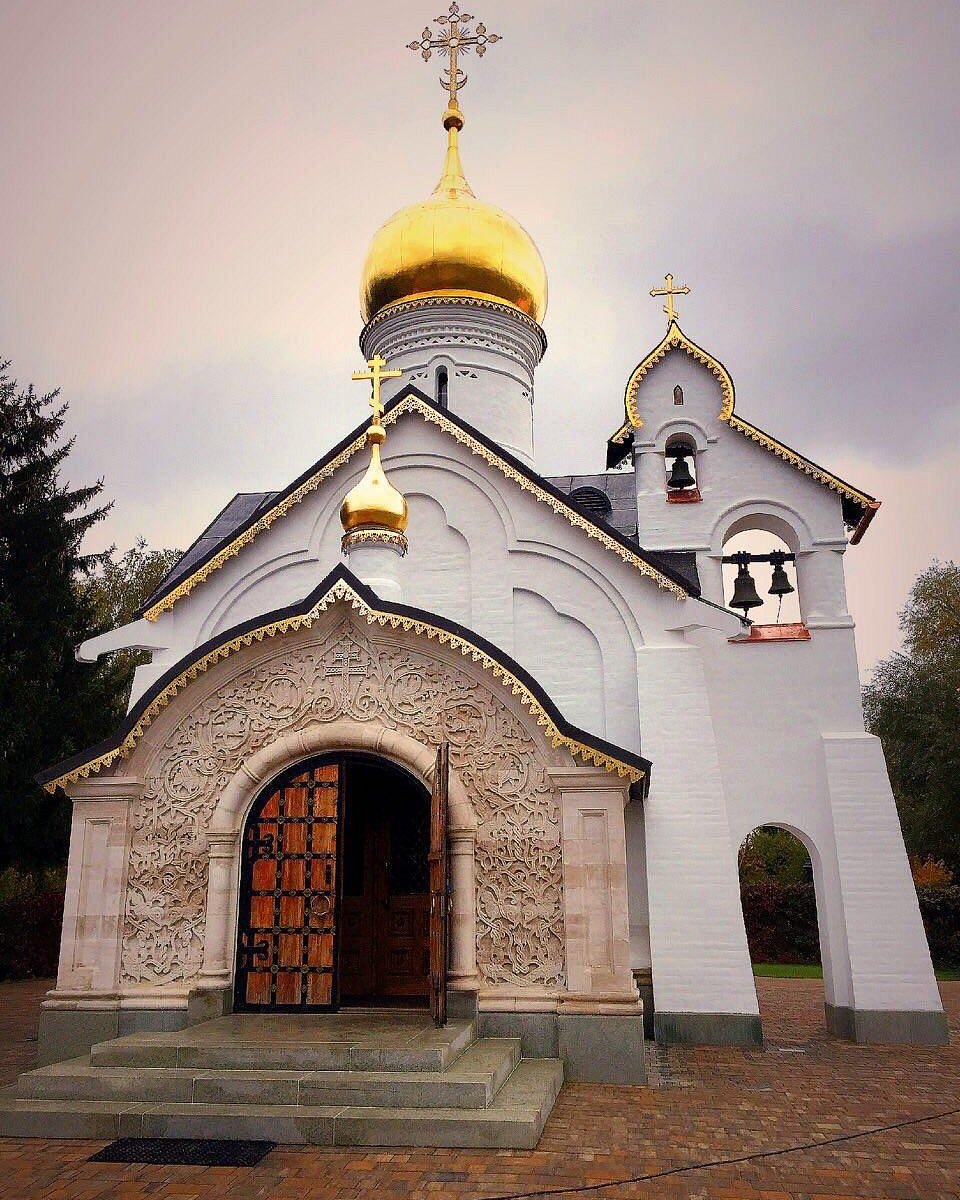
[432,791]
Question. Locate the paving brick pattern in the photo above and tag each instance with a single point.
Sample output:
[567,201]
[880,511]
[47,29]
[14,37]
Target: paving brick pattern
[713,1104]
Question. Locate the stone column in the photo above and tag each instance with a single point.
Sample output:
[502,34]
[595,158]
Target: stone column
[595,903]
[462,972]
[222,901]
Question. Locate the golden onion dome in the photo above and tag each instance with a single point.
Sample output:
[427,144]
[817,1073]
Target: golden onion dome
[453,245]
[374,503]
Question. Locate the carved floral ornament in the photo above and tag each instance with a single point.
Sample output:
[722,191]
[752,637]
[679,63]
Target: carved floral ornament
[346,669]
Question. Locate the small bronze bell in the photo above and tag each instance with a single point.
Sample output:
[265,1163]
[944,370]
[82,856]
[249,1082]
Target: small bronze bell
[680,476]
[745,593]
[780,584]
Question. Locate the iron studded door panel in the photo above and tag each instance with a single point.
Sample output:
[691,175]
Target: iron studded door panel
[286,953]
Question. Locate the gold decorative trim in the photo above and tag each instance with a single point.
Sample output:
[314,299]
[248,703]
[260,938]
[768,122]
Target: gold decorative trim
[408,404]
[802,464]
[462,301]
[341,591]
[386,537]
[234,547]
[674,338]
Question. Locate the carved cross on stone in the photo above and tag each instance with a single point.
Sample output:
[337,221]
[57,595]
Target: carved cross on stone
[348,664]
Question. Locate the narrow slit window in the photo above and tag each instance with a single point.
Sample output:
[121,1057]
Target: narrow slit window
[442,387]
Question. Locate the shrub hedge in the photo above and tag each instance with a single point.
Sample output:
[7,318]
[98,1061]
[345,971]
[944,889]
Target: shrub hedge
[781,921]
[30,935]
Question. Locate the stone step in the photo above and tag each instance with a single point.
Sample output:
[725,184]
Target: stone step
[514,1120]
[352,1041]
[471,1082]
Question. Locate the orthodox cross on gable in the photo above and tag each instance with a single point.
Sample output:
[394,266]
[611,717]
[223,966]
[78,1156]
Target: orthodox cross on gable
[348,664]
[670,291]
[376,374]
[454,38]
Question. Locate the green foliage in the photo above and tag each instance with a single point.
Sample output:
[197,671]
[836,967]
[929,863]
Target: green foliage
[770,854]
[50,705]
[913,704]
[781,922]
[114,591]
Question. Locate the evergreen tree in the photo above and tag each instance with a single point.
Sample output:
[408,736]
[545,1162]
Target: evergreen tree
[51,706]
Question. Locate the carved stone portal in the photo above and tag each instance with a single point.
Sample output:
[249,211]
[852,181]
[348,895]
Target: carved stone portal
[404,686]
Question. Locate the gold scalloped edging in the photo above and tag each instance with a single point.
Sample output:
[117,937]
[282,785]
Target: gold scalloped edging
[244,539]
[342,591]
[801,463]
[675,337]
[385,537]
[427,301]
[407,404]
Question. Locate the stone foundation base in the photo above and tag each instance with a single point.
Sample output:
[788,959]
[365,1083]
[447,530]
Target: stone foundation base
[595,1048]
[708,1029]
[897,1027]
[69,1032]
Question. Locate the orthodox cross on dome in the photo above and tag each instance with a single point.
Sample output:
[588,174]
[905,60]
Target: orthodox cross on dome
[670,291]
[376,374]
[455,38]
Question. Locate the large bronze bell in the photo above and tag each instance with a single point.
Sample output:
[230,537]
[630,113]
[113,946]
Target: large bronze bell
[680,476]
[745,593]
[780,584]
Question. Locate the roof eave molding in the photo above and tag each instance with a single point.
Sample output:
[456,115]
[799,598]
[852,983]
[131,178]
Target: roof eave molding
[342,586]
[858,507]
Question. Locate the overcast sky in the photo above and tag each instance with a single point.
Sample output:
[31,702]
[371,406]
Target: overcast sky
[190,187]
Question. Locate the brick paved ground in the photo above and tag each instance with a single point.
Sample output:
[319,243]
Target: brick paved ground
[804,1087]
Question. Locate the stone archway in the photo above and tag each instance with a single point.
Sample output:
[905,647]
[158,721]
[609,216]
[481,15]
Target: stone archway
[342,683]
[257,773]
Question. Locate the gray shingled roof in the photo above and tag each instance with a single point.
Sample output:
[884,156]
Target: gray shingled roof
[243,506]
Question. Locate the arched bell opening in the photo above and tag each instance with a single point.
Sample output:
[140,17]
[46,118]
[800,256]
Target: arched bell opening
[781,895]
[334,889]
[682,470]
[760,574]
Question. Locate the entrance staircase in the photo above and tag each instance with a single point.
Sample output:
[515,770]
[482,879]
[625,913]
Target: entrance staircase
[353,1078]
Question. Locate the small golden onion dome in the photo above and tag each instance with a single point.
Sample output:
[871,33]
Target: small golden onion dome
[453,245]
[374,503]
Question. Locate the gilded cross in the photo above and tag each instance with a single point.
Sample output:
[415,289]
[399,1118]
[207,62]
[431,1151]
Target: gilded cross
[670,291]
[376,374]
[455,38]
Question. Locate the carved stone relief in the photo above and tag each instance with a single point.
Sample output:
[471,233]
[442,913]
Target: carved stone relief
[518,858]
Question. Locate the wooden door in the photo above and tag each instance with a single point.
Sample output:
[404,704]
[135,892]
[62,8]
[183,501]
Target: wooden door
[439,887]
[385,935]
[286,956]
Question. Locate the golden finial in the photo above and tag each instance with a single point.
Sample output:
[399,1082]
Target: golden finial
[374,509]
[454,38]
[670,291]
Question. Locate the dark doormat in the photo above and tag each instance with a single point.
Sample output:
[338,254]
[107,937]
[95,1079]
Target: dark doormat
[183,1152]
